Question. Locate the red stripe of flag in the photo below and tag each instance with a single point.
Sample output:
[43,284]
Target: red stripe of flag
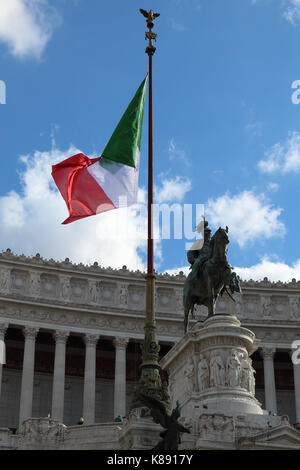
[81,192]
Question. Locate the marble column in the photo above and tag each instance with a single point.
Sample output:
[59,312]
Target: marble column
[59,375]
[89,391]
[120,377]
[27,374]
[269,376]
[295,356]
[3,328]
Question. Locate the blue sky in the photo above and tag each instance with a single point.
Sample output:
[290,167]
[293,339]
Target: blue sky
[226,132]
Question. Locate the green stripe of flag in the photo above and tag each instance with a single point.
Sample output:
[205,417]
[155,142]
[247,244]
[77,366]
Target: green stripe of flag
[126,138]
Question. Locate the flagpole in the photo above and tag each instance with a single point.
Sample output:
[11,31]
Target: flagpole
[150,297]
[150,383]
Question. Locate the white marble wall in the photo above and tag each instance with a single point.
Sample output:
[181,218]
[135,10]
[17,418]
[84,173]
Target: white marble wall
[52,295]
[65,283]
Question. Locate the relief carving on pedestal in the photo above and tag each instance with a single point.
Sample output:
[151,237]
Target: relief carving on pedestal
[217,370]
[216,427]
[247,380]
[189,374]
[233,369]
[203,373]
[213,371]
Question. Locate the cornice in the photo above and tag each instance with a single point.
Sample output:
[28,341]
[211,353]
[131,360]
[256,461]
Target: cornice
[85,309]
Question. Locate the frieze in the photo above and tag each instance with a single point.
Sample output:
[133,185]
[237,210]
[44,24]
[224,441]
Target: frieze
[134,325]
[105,294]
[112,291]
[39,261]
[219,368]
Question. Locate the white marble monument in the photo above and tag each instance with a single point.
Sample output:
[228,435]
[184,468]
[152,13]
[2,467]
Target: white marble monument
[218,399]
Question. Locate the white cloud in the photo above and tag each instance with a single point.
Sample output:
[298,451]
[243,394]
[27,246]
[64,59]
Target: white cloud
[173,189]
[177,153]
[173,271]
[292,11]
[272,186]
[27,25]
[273,270]
[274,159]
[283,157]
[177,26]
[31,220]
[248,216]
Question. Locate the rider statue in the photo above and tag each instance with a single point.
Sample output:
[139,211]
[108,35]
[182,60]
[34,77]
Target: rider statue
[211,274]
[197,257]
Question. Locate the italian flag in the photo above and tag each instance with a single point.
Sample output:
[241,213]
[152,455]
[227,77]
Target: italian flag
[90,186]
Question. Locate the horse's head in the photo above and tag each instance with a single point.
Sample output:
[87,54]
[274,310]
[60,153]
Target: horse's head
[221,236]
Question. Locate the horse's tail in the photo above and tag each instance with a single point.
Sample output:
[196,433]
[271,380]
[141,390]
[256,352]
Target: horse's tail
[192,310]
[186,318]
[188,307]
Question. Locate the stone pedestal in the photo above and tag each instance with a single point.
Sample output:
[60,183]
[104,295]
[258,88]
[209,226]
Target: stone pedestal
[210,368]
[140,432]
[211,375]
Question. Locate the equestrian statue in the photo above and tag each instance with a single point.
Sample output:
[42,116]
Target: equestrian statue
[211,273]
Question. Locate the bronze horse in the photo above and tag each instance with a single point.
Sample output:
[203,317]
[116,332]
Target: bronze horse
[215,276]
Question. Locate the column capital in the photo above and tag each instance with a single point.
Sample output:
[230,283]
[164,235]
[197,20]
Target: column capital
[294,352]
[3,328]
[91,339]
[267,352]
[120,342]
[30,332]
[60,336]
